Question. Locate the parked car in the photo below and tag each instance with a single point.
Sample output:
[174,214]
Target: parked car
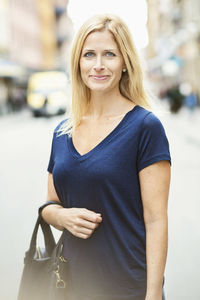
[47,93]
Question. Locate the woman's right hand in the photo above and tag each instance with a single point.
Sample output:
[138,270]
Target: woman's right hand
[81,222]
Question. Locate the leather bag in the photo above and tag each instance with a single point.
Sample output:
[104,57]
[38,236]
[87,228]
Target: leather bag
[45,273]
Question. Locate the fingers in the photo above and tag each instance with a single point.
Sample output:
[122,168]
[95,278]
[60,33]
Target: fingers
[81,232]
[81,235]
[80,222]
[87,224]
[84,228]
[91,216]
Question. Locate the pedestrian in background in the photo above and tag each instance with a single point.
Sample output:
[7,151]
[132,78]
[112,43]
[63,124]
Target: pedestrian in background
[110,170]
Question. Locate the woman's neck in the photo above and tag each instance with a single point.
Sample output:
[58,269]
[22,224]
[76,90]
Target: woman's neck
[102,105]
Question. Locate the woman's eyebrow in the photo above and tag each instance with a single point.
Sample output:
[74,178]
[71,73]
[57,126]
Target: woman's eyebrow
[114,49]
[88,50]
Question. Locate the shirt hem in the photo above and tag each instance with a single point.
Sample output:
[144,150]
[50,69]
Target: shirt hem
[154,160]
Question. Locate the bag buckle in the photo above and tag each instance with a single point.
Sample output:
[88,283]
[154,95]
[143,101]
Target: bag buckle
[62,259]
[60,283]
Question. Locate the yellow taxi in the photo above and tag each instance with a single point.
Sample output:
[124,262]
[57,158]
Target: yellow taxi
[48,93]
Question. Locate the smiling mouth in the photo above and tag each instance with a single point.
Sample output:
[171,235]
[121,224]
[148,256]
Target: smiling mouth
[99,77]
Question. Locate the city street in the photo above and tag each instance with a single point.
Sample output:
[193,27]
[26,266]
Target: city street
[24,151]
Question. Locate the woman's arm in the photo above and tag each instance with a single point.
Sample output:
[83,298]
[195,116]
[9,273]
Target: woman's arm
[154,184]
[50,212]
[80,222]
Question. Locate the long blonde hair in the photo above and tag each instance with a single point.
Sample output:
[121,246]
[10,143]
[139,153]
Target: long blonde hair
[131,82]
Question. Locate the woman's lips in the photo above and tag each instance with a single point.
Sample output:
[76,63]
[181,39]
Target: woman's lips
[99,77]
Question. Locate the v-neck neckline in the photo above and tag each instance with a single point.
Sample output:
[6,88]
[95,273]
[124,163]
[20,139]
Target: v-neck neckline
[79,156]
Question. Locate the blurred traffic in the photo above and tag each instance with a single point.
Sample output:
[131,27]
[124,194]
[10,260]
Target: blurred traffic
[47,93]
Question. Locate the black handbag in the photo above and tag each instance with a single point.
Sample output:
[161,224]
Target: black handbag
[45,273]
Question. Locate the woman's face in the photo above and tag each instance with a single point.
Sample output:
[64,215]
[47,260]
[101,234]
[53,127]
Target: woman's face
[101,62]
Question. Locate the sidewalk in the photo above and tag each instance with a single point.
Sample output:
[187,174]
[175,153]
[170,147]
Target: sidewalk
[182,271]
[188,123]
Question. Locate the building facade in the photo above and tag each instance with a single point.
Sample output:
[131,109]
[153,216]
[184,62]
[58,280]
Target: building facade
[34,33]
[34,36]
[174,41]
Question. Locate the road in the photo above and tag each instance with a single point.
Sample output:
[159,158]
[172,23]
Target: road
[24,152]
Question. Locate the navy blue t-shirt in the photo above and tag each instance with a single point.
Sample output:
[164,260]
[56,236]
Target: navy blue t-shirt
[111,264]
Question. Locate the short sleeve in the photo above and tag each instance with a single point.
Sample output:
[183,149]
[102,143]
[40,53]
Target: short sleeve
[153,144]
[53,147]
[51,159]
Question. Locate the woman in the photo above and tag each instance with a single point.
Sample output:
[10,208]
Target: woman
[110,169]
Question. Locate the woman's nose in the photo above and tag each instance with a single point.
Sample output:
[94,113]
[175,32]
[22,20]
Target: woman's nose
[98,66]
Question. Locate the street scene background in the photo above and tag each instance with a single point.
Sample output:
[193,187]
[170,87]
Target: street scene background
[31,108]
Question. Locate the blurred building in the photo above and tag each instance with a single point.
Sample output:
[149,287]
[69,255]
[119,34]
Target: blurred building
[64,33]
[27,42]
[174,41]
[4,27]
[37,45]
[34,36]
[35,33]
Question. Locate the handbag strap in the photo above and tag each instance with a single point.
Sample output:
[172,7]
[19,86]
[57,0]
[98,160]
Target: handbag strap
[57,254]
[47,234]
[46,230]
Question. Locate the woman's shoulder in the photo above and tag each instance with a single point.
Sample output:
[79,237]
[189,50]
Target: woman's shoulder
[148,117]
[60,125]
[57,132]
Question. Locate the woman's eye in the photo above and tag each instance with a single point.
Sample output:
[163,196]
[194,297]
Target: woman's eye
[110,54]
[89,54]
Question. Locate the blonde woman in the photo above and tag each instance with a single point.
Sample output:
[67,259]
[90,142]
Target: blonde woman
[110,170]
